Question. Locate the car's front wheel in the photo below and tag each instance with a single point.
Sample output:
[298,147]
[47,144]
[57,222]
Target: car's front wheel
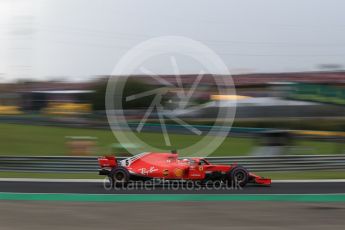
[238,176]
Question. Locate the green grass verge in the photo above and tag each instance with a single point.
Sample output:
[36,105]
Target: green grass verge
[50,175]
[272,175]
[46,140]
[306,147]
[304,175]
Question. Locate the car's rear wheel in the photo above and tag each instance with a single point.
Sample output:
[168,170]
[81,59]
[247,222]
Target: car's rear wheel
[238,176]
[119,176]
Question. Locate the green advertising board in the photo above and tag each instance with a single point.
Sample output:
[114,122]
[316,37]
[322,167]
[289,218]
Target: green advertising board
[318,93]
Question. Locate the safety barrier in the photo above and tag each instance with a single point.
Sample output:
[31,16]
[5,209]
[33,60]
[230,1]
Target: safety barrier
[254,163]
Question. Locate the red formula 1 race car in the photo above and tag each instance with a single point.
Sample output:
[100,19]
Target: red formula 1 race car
[168,166]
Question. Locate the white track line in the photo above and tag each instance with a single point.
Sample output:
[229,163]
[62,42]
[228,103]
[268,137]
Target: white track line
[309,181]
[50,180]
[102,180]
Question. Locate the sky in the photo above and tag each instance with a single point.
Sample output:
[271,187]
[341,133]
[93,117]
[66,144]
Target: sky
[79,39]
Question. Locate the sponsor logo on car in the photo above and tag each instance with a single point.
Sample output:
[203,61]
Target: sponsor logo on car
[146,172]
[178,172]
[165,172]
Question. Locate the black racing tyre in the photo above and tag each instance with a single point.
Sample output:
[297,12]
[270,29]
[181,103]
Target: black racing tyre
[238,176]
[119,176]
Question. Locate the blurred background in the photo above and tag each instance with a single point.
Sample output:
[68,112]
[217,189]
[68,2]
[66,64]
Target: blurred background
[287,66]
[277,113]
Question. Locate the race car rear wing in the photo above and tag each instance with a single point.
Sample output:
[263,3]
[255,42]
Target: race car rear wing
[107,161]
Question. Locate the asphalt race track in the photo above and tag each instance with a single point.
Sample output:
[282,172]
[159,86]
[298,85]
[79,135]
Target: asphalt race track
[97,188]
[86,214]
[38,215]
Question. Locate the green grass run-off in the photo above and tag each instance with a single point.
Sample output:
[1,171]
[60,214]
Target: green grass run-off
[32,140]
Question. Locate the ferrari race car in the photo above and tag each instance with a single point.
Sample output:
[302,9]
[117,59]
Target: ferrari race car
[168,166]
